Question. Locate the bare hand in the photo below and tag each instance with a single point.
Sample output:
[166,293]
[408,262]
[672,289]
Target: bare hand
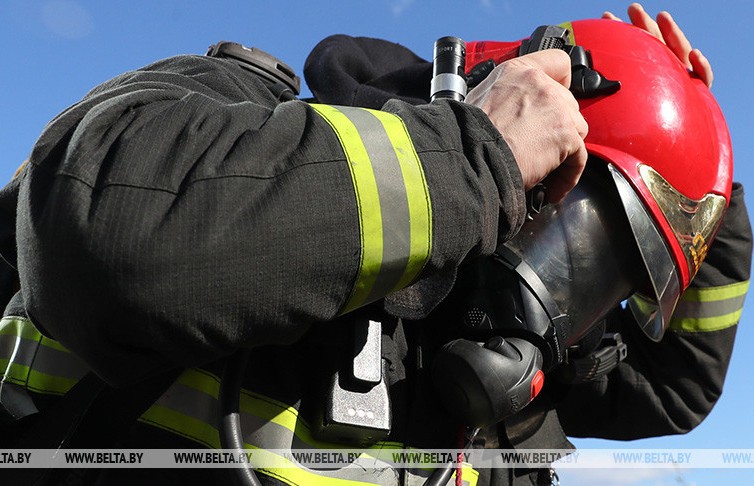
[528,100]
[668,32]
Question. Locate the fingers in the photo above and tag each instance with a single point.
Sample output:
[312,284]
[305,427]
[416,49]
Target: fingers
[666,30]
[641,19]
[573,155]
[560,182]
[527,100]
[701,66]
[674,37]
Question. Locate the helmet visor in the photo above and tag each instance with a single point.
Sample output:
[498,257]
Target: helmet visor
[652,307]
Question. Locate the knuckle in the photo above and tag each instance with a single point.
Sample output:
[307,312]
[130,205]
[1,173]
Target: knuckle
[552,93]
[530,76]
[565,118]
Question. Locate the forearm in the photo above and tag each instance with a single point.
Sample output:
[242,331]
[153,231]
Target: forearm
[171,217]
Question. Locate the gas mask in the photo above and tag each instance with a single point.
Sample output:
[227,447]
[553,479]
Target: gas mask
[633,232]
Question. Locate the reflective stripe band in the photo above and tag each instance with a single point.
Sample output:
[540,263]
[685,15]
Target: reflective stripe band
[195,393]
[189,409]
[392,200]
[709,309]
[40,364]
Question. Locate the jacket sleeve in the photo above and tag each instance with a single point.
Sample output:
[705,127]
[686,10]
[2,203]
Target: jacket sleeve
[179,211]
[671,386]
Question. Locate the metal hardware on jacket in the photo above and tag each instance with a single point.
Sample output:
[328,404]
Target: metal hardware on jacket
[356,405]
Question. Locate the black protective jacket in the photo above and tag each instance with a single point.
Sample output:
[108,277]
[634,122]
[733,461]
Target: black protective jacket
[180,211]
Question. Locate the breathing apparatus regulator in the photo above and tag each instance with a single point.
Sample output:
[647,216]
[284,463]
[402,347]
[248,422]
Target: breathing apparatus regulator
[634,230]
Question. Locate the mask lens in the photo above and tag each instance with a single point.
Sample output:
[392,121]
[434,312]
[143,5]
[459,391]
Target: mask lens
[583,251]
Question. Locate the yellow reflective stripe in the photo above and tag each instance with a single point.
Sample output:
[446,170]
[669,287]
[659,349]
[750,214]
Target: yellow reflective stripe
[709,309]
[466,471]
[51,343]
[297,476]
[202,429]
[417,193]
[183,425]
[24,350]
[35,381]
[474,475]
[206,434]
[288,417]
[252,403]
[709,294]
[367,201]
[197,429]
[16,326]
[201,380]
[706,324]
[392,200]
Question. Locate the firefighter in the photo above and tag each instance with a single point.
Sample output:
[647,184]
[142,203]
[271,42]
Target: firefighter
[185,210]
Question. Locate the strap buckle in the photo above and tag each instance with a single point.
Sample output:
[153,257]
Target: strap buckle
[611,351]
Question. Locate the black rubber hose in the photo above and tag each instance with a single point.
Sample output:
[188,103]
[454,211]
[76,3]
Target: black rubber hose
[441,475]
[229,417]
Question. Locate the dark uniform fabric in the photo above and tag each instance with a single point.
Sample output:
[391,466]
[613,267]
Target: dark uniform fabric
[180,211]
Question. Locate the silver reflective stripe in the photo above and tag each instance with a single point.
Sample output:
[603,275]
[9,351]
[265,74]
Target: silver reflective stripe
[182,406]
[702,310]
[41,358]
[392,200]
[396,227]
[18,350]
[34,361]
[202,406]
[707,309]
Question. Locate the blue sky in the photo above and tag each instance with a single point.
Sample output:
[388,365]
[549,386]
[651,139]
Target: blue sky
[56,50]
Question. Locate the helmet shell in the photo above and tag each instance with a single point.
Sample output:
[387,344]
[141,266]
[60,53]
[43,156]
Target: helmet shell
[667,146]
[663,117]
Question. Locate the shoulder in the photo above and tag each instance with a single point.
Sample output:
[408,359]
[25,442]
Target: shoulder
[203,74]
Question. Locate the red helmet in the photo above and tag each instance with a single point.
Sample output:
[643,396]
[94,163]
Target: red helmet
[667,147]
